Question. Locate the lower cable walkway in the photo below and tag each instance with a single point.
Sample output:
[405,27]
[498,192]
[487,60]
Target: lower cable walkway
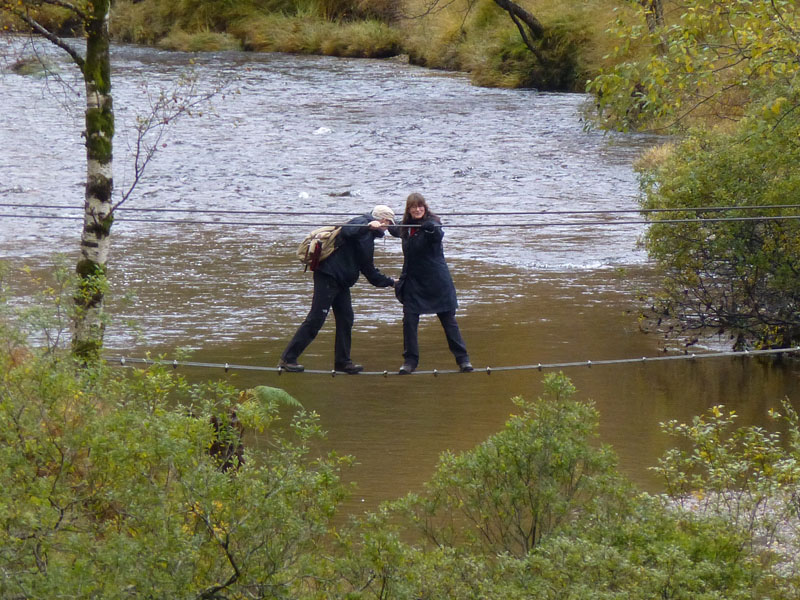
[488,370]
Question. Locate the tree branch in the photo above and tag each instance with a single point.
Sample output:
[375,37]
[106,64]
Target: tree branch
[68,5]
[517,12]
[521,16]
[50,36]
[151,129]
[436,6]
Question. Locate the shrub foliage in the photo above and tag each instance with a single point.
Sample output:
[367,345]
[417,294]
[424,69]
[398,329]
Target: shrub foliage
[116,484]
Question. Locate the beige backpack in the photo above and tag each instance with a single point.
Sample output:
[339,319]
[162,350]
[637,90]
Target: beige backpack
[318,245]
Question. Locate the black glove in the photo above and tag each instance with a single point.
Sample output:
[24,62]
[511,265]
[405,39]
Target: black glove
[428,227]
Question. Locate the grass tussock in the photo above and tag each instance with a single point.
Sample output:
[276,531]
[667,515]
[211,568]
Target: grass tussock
[280,33]
[653,157]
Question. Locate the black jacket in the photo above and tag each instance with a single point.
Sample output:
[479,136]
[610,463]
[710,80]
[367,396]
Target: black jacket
[355,254]
[427,286]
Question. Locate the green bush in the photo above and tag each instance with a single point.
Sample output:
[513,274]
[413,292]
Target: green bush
[539,511]
[116,484]
[746,476]
[110,489]
[521,485]
[737,278]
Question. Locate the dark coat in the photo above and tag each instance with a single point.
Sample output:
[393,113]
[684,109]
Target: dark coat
[355,254]
[427,286]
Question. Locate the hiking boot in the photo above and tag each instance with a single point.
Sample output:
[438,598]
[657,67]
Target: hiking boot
[406,369]
[465,367]
[290,367]
[350,368]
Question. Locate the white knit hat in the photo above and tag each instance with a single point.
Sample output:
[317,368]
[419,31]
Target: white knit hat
[381,211]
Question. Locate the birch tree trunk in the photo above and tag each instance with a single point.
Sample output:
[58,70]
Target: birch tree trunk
[87,340]
[654,15]
[95,66]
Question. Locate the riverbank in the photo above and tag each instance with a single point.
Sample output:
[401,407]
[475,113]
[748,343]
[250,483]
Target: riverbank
[479,38]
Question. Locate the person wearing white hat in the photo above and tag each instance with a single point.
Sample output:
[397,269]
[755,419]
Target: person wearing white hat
[333,279]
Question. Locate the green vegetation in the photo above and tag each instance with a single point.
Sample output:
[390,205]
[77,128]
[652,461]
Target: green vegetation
[298,27]
[708,63]
[475,36]
[115,486]
[738,278]
[723,76]
[484,42]
[278,33]
[110,489]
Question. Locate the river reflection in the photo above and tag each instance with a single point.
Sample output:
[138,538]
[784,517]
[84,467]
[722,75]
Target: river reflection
[311,134]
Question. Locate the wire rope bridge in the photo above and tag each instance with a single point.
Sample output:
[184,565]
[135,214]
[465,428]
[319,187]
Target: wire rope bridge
[701,214]
[228,367]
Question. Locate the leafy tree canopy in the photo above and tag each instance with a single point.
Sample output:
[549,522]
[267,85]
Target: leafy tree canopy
[739,278]
[704,60]
[722,74]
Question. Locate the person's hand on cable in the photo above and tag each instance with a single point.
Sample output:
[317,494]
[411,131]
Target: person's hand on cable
[380,225]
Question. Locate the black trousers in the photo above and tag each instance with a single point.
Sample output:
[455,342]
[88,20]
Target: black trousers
[328,293]
[411,341]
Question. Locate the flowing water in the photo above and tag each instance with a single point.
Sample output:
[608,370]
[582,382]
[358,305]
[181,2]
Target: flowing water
[317,135]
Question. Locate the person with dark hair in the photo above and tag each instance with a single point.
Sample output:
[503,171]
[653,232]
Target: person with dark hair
[425,285]
[333,279]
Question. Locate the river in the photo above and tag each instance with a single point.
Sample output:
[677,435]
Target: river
[316,135]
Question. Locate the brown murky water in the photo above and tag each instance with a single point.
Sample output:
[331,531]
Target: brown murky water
[309,134]
[396,427]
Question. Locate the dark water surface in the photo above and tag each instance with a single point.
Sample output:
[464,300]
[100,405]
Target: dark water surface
[312,134]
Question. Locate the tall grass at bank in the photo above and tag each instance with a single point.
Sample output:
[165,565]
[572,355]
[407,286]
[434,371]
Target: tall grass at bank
[476,37]
[479,38]
[352,28]
[280,33]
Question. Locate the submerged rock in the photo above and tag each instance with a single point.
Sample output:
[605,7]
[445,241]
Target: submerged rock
[31,65]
